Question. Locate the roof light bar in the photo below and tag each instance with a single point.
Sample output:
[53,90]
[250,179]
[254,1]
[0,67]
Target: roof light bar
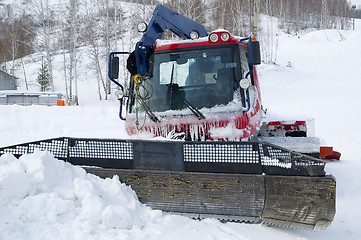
[219,36]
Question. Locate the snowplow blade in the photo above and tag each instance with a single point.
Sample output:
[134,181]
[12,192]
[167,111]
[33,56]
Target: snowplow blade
[291,201]
[233,181]
[300,202]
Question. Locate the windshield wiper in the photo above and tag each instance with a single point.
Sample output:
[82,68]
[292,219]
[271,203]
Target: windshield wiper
[149,112]
[170,87]
[174,87]
[146,108]
[194,110]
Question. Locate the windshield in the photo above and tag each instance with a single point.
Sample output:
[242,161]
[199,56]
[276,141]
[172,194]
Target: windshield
[194,78]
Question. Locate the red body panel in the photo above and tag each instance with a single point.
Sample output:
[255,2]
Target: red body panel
[192,43]
[242,125]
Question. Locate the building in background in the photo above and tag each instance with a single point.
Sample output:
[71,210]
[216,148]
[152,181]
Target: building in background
[7,81]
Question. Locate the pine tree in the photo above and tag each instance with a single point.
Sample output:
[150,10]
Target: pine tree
[44,77]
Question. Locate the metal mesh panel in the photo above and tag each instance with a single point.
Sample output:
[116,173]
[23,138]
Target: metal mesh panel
[289,162]
[220,153]
[241,157]
[101,149]
[304,161]
[275,157]
[17,150]
[58,147]
[282,156]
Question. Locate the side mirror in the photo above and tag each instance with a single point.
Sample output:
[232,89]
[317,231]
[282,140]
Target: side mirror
[256,52]
[114,67]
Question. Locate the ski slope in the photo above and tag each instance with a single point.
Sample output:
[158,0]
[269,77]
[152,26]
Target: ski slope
[317,76]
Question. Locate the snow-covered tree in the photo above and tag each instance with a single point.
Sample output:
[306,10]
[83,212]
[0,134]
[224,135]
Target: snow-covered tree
[44,77]
[44,38]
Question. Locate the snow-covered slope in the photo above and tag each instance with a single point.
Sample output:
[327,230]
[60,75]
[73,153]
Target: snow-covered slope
[317,76]
[322,81]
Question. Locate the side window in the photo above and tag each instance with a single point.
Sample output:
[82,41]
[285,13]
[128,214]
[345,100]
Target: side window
[244,63]
[165,72]
[245,69]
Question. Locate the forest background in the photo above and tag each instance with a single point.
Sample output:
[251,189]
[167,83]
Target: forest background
[74,29]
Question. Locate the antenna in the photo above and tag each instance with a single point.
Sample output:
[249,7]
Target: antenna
[255,14]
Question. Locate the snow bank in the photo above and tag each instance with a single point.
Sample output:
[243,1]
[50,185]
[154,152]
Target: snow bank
[42,196]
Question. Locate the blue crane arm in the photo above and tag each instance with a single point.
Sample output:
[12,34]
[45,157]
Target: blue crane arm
[163,18]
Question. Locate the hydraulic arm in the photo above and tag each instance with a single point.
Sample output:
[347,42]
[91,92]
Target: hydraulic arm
[164,18]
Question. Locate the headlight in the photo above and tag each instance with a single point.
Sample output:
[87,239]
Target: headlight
[194,35]
[225,37]
[213,37]
[244,83]
[142,27]
[119,94]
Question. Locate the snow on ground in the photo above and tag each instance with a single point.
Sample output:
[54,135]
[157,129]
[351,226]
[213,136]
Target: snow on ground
[30,123]
[322,81]
[317,76]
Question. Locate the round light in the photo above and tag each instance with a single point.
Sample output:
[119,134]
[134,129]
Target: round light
[119,94]
[225,37]
[142,27]
[194,35]
[244,83]
[213,37]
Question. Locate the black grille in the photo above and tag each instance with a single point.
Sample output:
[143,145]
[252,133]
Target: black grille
[57,146]
[106,149]
[223,157]
[221,152]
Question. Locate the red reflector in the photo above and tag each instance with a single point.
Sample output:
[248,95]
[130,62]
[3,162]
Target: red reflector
[277,123]
[328,153]
[274,123]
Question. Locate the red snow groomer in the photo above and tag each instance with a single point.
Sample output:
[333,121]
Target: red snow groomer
[199,89]
[204,90]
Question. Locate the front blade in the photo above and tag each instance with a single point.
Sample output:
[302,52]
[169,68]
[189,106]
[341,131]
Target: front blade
[300,202]
[291,201]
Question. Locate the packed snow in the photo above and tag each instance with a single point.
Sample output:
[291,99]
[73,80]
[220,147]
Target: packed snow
[44,198]
[317,76]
